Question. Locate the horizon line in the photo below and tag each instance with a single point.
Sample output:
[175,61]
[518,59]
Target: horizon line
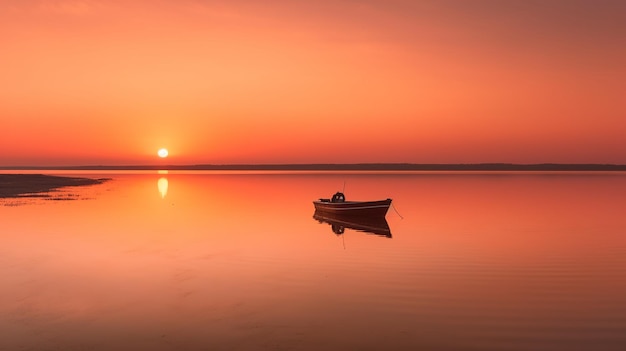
[492,166]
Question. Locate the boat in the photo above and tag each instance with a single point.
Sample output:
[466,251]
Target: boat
[372,225]
[338,205]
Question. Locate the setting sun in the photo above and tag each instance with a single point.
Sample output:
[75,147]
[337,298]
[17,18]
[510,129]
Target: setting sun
[163,153]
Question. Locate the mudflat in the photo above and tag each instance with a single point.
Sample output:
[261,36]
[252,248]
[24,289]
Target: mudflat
[25,185]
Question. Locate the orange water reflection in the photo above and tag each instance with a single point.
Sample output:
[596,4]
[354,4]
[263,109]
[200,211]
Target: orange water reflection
[236,261]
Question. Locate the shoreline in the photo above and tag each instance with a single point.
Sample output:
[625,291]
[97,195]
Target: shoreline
[35,185]
[340,167]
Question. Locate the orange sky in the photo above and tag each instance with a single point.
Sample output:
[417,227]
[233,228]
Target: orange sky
[110,82]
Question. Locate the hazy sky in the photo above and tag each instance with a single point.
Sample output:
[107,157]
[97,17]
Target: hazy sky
[287,81]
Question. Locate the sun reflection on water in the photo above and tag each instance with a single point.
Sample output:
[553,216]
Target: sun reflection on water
[162,185]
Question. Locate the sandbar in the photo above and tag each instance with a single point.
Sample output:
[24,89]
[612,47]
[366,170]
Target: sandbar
[33,185]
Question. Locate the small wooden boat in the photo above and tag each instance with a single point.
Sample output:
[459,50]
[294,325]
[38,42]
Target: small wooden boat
[338,205]
[371,225]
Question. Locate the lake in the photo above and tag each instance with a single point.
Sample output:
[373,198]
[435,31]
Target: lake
[236,261]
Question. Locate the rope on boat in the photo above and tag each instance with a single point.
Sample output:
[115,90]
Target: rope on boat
[394,208]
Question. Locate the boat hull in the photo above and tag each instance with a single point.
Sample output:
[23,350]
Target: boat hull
[354,208]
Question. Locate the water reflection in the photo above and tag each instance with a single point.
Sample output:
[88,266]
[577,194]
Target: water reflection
[162,185]
[516,262]
[338,223]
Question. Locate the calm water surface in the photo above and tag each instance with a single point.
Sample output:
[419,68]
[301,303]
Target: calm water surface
[214,261]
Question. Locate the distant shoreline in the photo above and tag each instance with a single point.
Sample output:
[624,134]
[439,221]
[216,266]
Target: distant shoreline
[34,185]
[343,167]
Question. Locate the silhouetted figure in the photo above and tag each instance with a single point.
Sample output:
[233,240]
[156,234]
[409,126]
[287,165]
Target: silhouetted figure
[338,197]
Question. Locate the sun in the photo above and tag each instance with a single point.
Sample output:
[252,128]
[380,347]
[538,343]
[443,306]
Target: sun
[162,153]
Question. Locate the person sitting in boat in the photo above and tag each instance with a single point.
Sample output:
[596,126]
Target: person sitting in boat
[338,197]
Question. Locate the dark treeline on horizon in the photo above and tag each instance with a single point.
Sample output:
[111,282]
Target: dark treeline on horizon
[347,167]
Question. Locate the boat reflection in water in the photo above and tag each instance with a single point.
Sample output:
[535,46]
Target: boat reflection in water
[372,225]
